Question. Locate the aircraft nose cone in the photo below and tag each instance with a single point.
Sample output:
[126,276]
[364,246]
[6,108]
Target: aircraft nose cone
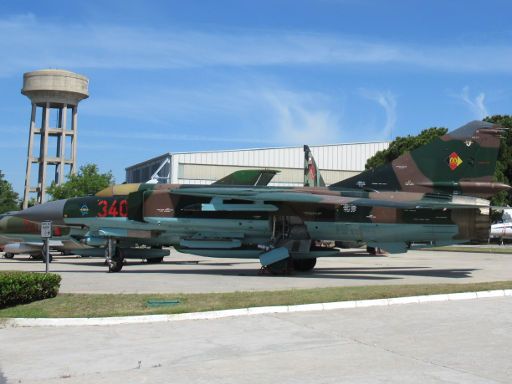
[53,211]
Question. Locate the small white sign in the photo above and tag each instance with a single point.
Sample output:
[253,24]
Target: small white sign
[46,229]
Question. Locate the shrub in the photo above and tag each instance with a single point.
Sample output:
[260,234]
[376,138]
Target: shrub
[24,287]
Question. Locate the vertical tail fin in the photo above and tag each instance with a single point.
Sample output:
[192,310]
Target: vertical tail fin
[312,176]
[461,162]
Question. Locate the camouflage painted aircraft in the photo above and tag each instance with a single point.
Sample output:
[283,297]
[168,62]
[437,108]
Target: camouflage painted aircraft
[149,248]
[419,197]
[20,236]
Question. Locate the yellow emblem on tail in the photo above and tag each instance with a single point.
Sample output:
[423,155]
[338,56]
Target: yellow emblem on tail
[454,161]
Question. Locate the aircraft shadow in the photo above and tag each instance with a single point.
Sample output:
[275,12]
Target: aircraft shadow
[234,269]
[394,272]
[3,379]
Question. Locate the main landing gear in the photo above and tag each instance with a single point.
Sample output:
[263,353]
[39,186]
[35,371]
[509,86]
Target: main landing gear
[290,249]
[304,265]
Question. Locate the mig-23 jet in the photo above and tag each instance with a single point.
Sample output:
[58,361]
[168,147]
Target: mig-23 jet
[20,236]
[433,194]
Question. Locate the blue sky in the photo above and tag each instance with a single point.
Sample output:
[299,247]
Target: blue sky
[172,76]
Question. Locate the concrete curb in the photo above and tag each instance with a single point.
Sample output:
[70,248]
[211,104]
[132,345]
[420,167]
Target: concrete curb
[98,321]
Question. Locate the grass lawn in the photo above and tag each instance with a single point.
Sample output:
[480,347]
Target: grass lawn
[104,305]
[489,249]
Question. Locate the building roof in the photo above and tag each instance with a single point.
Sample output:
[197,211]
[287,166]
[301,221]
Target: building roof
[169,154]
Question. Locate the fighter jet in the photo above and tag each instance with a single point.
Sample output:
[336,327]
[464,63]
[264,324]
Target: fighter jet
[419,197]
[20,236]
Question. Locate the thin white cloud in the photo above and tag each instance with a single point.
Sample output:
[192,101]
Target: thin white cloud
[476,105]
[388,102]
[82,47]
[265,113]
[302,118]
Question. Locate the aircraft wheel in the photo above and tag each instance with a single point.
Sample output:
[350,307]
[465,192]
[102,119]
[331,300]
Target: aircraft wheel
[9,255]
[155,260]
[115,265]
[304,265]
[280,268]
[116,262]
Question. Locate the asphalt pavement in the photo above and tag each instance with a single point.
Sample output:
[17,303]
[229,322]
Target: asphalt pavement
[189,274]
[466,341]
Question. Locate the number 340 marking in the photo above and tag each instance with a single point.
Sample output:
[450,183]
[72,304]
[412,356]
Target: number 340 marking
[114,208]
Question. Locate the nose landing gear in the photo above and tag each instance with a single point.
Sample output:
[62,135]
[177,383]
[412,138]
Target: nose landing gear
[114,256]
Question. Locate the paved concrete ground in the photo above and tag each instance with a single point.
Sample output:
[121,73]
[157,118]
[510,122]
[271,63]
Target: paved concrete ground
[450,342]
[182,273]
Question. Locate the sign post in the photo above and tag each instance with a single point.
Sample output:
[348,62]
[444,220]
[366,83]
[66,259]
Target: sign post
[46,234]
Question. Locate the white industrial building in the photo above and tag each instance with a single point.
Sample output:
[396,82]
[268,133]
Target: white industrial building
[335,161]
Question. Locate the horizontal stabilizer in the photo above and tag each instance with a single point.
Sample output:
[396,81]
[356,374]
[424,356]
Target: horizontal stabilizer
[248,177]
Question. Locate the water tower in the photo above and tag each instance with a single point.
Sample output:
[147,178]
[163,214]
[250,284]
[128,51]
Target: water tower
[55,95]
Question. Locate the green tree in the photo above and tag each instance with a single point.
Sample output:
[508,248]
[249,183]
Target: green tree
[504,164]
[404,144]
[8,198]
[87,181]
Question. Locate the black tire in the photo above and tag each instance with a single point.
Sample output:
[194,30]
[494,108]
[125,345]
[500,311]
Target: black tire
[304,265]
[9,255]
[280,268]
[115,266]
[155,260]
[117,261]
